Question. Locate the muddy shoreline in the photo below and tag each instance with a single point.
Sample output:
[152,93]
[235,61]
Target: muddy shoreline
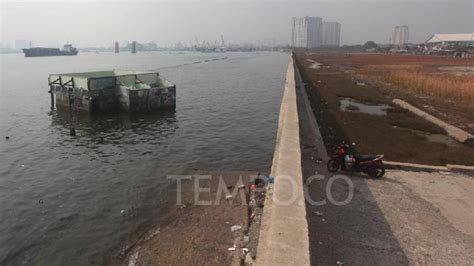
[214,221]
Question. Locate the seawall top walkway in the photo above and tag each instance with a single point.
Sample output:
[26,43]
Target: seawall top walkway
[284,228]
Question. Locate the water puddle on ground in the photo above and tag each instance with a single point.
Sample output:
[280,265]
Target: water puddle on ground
[351,105]
[314,65]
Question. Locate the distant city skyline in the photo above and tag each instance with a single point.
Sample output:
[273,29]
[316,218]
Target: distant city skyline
[312,32]
[100,24]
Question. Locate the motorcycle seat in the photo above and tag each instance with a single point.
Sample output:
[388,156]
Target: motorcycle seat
[366,157]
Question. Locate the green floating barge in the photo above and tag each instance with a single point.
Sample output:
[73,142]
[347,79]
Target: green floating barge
[112,91]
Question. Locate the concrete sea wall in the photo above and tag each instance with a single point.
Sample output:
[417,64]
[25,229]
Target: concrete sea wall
[284,228]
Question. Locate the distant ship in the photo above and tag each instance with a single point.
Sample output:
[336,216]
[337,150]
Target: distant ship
[40,51]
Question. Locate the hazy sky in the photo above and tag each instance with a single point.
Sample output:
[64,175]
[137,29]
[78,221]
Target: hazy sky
[92,23]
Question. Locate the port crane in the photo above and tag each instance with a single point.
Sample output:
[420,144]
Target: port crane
[222,48]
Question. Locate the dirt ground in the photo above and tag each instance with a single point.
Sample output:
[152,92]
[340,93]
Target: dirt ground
[416,218]
[399,135]
[196,233]
[379,71]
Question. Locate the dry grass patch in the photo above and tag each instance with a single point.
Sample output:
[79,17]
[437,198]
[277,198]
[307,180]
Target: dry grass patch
[446,86]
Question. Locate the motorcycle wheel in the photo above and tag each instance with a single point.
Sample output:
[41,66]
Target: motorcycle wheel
[376,171]
[333,166]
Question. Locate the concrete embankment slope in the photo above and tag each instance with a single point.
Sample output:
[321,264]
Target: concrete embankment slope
[284,228]
[456,133]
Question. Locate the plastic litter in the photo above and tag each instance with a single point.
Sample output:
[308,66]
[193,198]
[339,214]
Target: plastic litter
[318,213]
[271,179]
[253,203]
[231,249]
[260,182]
[248,259]
[235,228]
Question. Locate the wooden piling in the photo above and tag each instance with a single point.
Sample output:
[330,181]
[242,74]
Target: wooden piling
[52,98]
[72,129]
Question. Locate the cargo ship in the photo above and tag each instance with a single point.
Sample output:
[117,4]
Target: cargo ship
[40,51]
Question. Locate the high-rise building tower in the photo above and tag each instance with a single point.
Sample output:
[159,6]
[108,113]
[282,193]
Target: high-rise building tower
[400,35]
[307,32]
[117,49]
[134,47]
[331,34]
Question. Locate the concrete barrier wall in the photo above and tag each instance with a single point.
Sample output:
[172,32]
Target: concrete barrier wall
[284,228]
[456,133]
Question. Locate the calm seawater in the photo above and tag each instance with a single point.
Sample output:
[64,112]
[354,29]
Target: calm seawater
[61,197]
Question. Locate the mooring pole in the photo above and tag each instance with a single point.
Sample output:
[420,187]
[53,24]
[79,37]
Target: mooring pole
[72,129]
[52,90]
[52,98]
[69,90]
